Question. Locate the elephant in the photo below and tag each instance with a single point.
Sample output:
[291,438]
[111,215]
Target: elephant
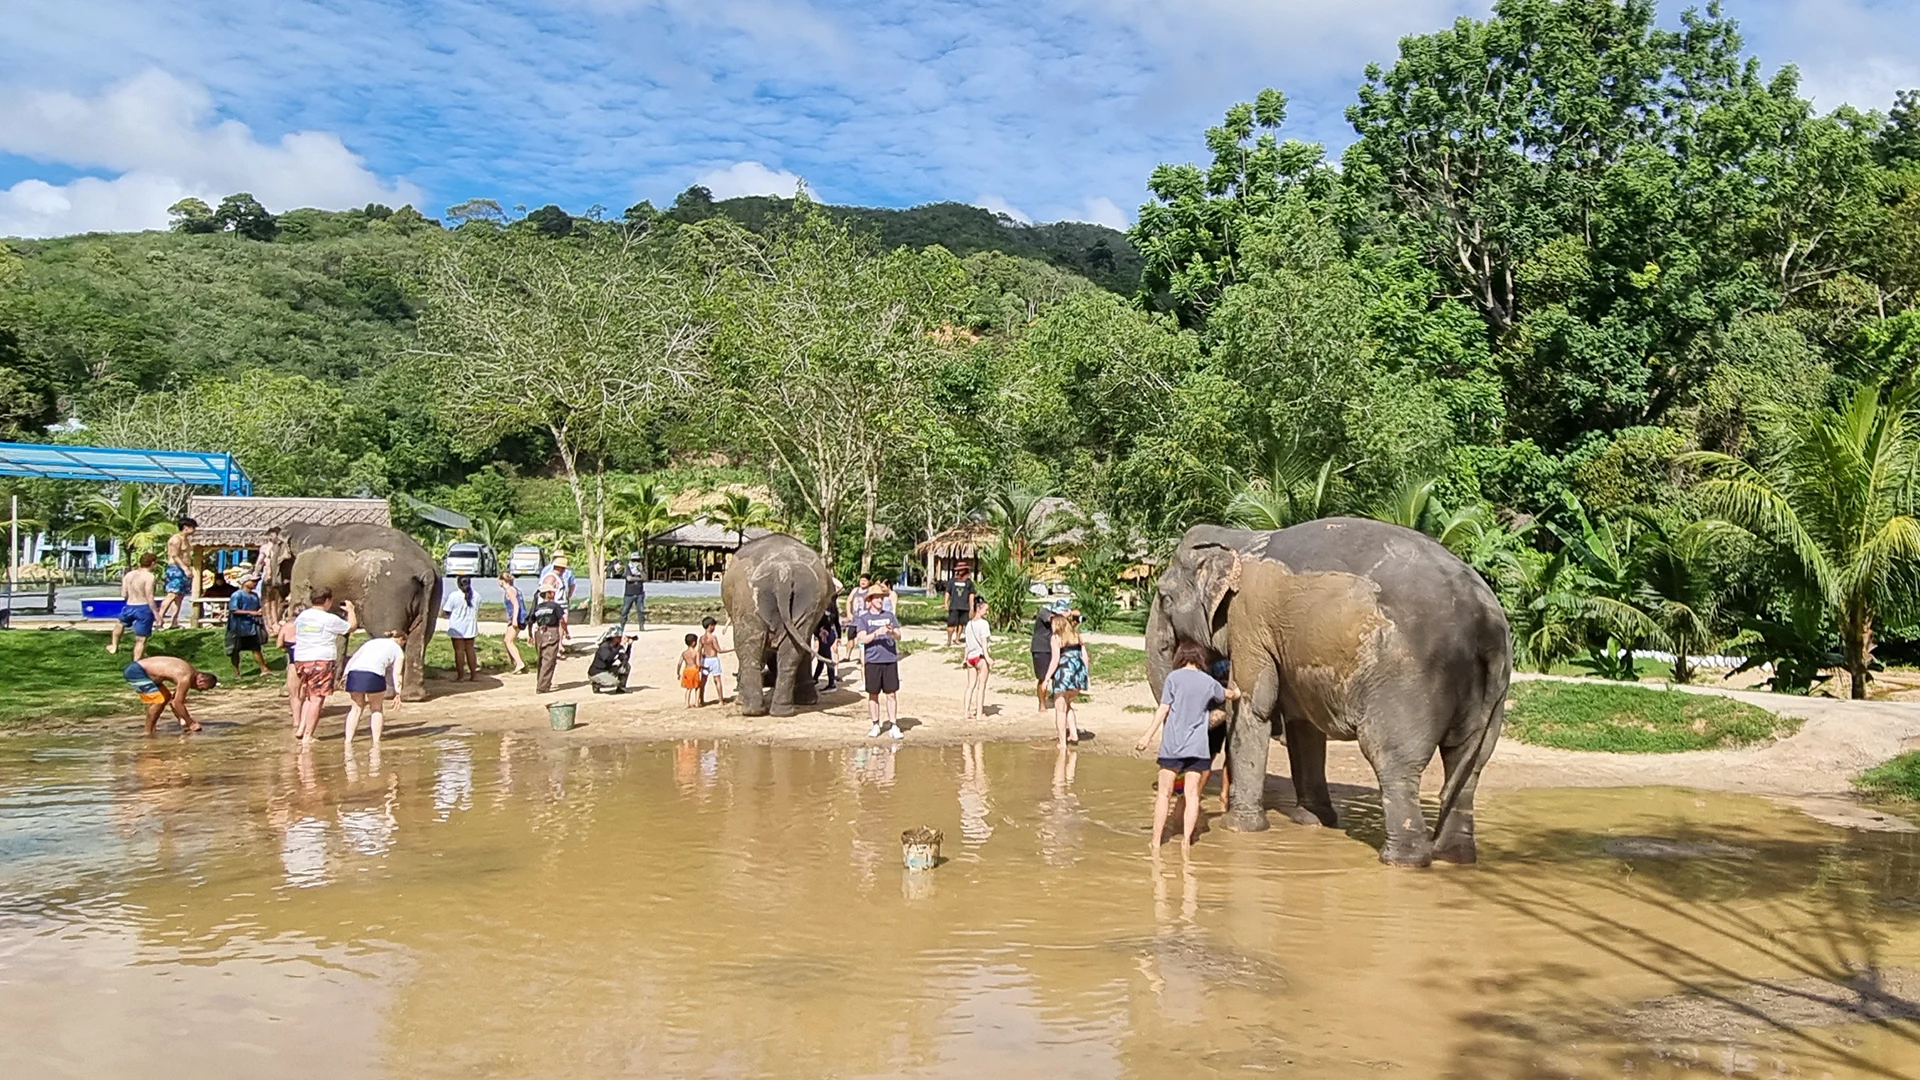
[390,578]
[775,589]
[1352,629]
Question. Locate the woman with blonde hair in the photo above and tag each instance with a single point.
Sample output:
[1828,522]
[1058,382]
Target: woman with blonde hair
[1067,676]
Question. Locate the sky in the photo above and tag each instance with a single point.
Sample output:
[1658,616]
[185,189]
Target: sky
[111,110]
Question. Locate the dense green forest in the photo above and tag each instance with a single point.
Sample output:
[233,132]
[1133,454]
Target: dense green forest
[1609,308]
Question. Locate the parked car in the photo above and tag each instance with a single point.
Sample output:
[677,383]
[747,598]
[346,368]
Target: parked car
[526,560]
[470,560]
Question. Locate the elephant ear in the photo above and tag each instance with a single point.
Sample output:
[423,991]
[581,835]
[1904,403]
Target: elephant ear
[1200,612]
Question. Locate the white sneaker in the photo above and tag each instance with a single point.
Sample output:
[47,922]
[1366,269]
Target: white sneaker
[897,733]
[874,731]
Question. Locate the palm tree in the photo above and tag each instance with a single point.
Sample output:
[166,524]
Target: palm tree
[1021,514]
[1677,589]
[495,531]
[638,514]
[738,512]
[1838,500]
[1291,488]
[134,522]
[1609,561]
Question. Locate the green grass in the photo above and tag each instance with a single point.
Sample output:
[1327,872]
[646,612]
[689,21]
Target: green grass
[1625,719]
[1896,779]
[67,674]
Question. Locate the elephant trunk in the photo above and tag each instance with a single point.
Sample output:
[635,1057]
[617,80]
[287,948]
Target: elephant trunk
[1160,644]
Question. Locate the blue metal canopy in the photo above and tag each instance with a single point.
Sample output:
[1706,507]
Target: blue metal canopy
[115,464]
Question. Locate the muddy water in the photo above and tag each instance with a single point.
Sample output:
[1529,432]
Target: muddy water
[515,907]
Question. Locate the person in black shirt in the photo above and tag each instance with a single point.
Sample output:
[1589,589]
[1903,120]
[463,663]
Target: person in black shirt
[549,619]
[612,660]
[959,602]
[1042,647]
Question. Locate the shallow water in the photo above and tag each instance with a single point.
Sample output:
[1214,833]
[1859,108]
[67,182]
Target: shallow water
[513,906]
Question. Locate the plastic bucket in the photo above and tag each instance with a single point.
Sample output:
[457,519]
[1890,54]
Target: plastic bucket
[920,848]
[560,715]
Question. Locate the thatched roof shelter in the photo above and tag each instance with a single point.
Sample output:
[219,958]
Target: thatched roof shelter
[705,534]
[239,522]
[963,541]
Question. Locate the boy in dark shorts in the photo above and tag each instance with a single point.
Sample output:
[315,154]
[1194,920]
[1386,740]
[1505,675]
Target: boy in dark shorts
[149,679]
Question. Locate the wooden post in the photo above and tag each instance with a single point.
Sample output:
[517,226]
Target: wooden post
[193,587]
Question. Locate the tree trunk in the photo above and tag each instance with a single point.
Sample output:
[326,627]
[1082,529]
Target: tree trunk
[872,499]
[1859,647]
[597,548]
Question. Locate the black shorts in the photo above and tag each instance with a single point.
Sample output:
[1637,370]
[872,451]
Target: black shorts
[1216,738]
[1041,662]
[1186,764]
[956,617]
[883,678]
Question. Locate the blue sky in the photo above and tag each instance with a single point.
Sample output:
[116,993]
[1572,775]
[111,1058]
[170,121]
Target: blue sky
[1049,109]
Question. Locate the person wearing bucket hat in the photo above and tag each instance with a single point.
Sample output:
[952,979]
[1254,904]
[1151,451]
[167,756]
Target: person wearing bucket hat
[1041,646]
[246,633]
[549,636]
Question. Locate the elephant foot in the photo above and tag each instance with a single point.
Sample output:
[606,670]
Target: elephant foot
[1308,816]
[1461,850]
[753,710]
[1243,820]
[782,710]
[1408,853]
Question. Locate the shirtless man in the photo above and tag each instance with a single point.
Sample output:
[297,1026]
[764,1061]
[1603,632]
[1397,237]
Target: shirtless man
[136,612]
[149,679]
[179,573]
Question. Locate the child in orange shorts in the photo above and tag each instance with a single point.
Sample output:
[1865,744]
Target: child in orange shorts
[690,668]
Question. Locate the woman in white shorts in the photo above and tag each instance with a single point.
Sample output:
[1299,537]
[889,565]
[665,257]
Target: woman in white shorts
[375,671]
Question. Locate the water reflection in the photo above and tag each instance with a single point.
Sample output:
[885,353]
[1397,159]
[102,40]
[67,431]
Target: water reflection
[522,905]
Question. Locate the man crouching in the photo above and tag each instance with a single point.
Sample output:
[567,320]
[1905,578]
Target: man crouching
[149,678]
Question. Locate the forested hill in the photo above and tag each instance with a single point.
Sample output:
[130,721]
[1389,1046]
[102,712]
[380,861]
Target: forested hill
[1095,252]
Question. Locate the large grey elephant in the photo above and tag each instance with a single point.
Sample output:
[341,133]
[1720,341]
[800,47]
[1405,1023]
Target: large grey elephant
[390,578]
[775,589]
[1346,628]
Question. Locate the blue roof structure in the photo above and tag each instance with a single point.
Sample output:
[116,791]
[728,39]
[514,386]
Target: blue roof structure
[115,464]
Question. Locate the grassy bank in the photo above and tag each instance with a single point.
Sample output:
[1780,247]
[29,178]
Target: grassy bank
[68,674]
[1896,779]
[1626,719]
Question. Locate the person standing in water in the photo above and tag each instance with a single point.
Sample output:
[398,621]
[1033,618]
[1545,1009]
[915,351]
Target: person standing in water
[463,625]
[149,679]
[317,633]
[1187,699]
[136,607]
[1067,676]
[1041,648]
[516,621]
[374,671]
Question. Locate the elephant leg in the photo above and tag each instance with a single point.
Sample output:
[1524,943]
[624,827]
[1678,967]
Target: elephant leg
[413,687]
[1307,760]
[1248,740]
[1453,835]
[751,650]
[1398,768]
[805,690]
[788,662]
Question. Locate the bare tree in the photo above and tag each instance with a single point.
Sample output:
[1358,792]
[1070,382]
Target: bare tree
[585,338]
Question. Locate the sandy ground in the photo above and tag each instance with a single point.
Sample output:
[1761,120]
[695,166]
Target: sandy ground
[1811,769]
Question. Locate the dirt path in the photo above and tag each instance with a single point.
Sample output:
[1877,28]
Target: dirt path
[1838,739]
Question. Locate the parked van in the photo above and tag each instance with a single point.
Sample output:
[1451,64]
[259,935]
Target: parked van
[526,560]
[470,560]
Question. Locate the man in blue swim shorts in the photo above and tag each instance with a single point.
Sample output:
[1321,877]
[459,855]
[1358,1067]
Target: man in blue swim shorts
[136,607]
[149,679]
[179,572]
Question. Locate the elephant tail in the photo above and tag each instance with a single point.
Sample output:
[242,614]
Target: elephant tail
[781,609]
[1470,768]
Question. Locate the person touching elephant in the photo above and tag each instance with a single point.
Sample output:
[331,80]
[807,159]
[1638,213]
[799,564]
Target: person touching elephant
[391,580]
[1352,629]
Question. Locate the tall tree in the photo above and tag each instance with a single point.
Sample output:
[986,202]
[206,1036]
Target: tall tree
[585,339]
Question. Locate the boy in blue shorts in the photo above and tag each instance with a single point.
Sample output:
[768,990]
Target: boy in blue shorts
[136,607]
[149,678]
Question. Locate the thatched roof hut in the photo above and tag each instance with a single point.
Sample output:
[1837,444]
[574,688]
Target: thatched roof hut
[241,522]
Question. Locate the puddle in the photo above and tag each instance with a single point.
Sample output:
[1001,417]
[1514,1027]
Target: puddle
[512,906]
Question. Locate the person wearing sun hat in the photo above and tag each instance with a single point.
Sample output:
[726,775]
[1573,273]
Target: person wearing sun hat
[558,576]
[1041,646]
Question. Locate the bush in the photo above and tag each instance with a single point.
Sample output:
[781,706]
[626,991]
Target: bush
[1635,720]
[1004,584]
[1896,779]
[1094,579]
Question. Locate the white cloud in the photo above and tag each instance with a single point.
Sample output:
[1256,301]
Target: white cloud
[1101,210]
[1000,205]
[748,178]
[159,135]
